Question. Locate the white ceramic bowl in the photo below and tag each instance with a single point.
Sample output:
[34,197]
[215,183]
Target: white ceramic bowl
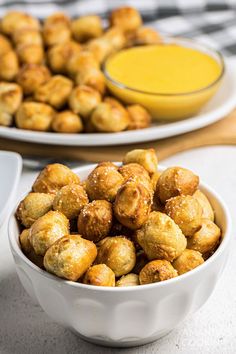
[123,317]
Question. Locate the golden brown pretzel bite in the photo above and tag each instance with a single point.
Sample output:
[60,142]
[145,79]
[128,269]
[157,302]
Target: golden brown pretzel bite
[15,21]
[9,65]
[127,18]
[186,212]
[118,253]
[130,279]
[144,157]
[27,36]
[132,204]
[187,261]
[176,181]
[156,271]
[70,200]
[67,122]
[161,238]
[53,177]
[70,257]
[33,206]
[83,99]
[103,182]
[108,118]
[206,238]
[28,249]
[56,29]
[34,116]
[91,76]
[31,76]
[100,275]
[86,27]
[207,211]
[58,55]
[46,230]
[95,220]
[30,53]
[139,117]
[55,91]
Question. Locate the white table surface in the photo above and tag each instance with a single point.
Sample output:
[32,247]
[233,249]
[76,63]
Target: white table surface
[25,328]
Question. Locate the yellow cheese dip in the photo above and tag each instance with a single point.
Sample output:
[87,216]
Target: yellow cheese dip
[172,80]
[164,69]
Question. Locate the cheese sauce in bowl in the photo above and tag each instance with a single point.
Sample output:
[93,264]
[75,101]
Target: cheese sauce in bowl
[173,80]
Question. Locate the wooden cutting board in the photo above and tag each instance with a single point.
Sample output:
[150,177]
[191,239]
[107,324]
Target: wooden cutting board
[219,133]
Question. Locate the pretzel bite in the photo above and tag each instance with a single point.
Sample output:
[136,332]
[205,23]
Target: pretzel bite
[107,118]
[67,122]
[33,206]
[28,249]
[6,119]
[155,271]
[116,38]
[30,53]
[70,200]
[136,172]
[59,54]
[127,18]
[5,45]
[146,158]
[86,27]
[53,177]
[55,91]
[34,116]
[79,62]
[206,238]
[207,211]
[139,117]
[146,35]
[70,257]
[118,253]
[132,204]
[100,275]
[15,21]
[10,97]
[161,238]
[56,29]
[27,36]
[103,182]
[31,76]
[83,99]
[100,47]
[46,230]
[57,18]
[187,261]
[95,220]
[93,77]
[176,181]
[130,279]
[9,65]
[186,213]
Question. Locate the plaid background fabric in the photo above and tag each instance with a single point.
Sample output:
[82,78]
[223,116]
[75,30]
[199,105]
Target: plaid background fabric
[212,22]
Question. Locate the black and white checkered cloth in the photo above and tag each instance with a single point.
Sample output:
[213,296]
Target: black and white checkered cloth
[212,22]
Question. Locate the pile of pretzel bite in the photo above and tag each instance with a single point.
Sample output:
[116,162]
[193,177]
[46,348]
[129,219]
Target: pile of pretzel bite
[124,225]
[51,76]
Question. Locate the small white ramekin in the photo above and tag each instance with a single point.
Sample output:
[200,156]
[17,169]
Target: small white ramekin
[128,316]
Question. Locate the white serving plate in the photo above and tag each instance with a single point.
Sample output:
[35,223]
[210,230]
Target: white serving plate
[10,171]
[220,106]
